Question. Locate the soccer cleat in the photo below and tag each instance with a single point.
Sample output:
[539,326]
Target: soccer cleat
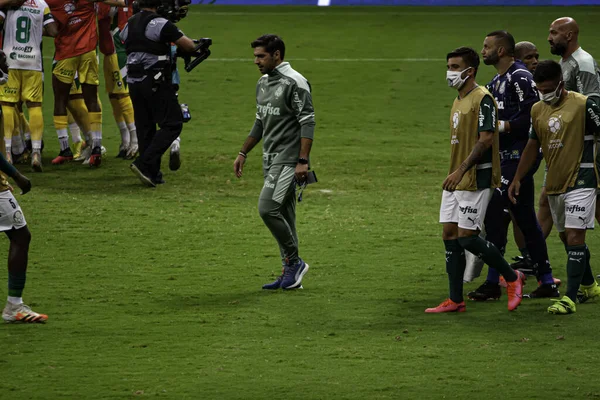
[64,156]
[293,274]
[145,179]
[132,152]
[514,291]
[545,290]
[275,284]
[76,148]
[122,151]
[84,153]
[96,157]
[174,160]
[487,291]
[590,292]
[448,306]
[563,306]
[22,313]
[524,264]
[36,162]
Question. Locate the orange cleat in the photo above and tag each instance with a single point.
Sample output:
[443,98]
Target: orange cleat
[448,306]
[515,291]
[64,156]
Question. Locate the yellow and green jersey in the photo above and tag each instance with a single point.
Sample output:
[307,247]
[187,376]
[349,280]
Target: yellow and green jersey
[567,133]
[474,113]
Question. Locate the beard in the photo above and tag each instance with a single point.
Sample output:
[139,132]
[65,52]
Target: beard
[558,49]
[491,59]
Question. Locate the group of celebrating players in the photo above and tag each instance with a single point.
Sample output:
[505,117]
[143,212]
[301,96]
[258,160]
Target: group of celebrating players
[79,28]
[499,134]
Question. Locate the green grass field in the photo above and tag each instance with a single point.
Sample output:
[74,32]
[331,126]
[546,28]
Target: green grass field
[156,292]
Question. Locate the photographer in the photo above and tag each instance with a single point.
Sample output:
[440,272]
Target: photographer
[148,37]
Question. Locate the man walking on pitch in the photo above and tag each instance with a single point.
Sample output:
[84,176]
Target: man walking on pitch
[474,175]
[565,125]
[285,121]
[515,93]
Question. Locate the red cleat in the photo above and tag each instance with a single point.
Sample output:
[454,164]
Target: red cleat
[515,291]
[448,306]
[64,156]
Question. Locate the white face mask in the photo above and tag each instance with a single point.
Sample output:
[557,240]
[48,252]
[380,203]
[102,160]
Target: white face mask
[553,97]
[454,78]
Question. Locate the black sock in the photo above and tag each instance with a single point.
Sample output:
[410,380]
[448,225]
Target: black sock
[588,277]
[490,255]
[576,265]
[455,267]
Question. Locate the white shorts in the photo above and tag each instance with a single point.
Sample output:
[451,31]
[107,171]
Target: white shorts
[11,215]
[573,210]
[465,208]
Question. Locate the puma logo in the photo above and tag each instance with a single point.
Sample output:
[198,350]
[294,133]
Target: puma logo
[575,259]
[473,220]
[583,220]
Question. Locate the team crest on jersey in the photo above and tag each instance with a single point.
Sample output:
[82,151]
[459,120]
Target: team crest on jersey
[555,124]
[69,8]
[502,87]
[18,217]
[279,92]
[455,119]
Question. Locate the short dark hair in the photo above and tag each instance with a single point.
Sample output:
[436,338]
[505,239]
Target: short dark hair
[271,43]
[547,70]
[469,56]
[507,40]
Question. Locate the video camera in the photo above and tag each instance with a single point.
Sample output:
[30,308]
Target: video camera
[173,10]
[200,53]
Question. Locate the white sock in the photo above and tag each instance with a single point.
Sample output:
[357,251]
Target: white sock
[18,145]
[96,139]
[8,145]
[63,138]
[132,134]
[75,132]
[124,134]
[36,146]
[176,144]
[15,300]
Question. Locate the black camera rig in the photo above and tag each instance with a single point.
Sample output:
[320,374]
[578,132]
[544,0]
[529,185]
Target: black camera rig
[200,53]
[173,10]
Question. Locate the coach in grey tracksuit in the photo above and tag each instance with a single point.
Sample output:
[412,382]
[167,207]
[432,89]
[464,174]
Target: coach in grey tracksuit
[285,121]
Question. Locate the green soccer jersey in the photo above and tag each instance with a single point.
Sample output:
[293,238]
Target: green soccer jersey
[581,74]
[284,115]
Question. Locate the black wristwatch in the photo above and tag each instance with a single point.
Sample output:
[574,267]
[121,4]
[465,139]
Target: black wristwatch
[302,161]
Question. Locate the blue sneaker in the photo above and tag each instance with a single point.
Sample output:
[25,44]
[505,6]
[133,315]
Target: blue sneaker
[274,285]
[292,275]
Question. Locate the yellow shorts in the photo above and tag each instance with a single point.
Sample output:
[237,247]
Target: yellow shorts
[112,76]
[85,65]
[76,87]
[23,85]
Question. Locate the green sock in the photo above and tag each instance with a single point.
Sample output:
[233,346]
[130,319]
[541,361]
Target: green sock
[524,252]
[16,283]
[455,267]
[489,254]
[588,276]
[576,266]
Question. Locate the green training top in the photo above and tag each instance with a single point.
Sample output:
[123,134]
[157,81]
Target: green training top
[284,115]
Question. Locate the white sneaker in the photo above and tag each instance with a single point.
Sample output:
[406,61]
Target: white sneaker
[84,154]
[22,313]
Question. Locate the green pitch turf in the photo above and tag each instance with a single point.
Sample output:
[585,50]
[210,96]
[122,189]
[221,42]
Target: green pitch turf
[155,293]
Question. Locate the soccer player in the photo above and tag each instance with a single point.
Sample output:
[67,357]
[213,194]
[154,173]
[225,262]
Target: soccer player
[285,122]
[23,29]
[111,20]
[565,125]
[528,54]
[474,175]
[76,53]
[515,93]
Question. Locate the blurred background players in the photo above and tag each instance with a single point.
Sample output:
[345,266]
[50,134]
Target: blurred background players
[75,47]
[528,54]
[23,29]
[111,20]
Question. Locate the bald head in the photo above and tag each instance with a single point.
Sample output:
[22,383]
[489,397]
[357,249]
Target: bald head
[528,53]
[563,36]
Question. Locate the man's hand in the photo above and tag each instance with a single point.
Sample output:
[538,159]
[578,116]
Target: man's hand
[22,182]
[452,181]
[301,172]
[238,165]
[513,191]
